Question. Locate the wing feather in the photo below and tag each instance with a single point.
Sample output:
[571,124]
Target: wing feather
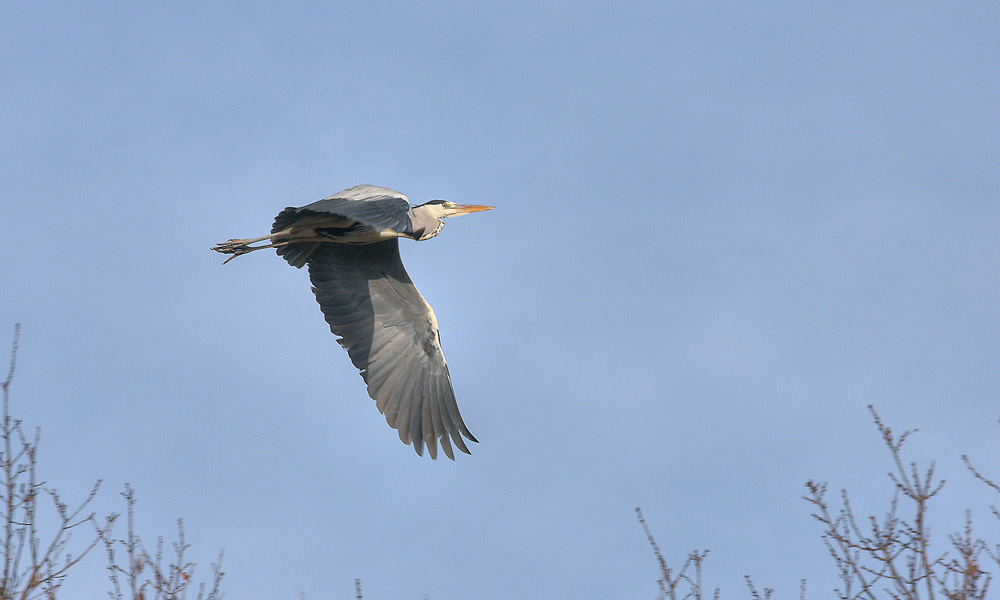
[446,446]
[435,410]
[413,417]
[425,417]
[402,389]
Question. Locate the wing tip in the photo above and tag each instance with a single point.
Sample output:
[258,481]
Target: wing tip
[432,441]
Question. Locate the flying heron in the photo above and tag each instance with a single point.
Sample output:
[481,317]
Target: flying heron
[349,241]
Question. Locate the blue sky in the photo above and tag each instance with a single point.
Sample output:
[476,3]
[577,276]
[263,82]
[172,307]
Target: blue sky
[722,230]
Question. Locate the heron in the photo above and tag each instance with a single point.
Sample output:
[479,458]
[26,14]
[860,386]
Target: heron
[350,243]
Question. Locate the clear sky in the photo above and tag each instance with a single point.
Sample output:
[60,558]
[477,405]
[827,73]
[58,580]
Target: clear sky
[722,230]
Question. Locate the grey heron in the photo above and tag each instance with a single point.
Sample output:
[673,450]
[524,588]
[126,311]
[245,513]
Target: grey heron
[349,241]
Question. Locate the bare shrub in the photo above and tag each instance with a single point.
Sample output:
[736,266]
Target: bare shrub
[876,558]
[35,563]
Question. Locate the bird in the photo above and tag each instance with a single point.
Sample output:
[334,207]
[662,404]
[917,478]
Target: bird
[350,244]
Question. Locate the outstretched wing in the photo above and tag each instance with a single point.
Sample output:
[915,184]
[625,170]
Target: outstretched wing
[368,205]
[391,335]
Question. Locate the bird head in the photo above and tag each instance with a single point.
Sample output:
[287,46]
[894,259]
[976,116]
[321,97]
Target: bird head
[442,208]
[427,218]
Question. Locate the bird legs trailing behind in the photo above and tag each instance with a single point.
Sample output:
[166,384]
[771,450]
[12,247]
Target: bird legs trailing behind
[240,247]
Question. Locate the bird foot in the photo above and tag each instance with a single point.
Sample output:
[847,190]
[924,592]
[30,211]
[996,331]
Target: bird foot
[239,247]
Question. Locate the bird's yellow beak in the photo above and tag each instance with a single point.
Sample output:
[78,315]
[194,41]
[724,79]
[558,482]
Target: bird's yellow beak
[464,209]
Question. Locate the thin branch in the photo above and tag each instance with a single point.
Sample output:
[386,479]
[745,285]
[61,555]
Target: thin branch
[13,359]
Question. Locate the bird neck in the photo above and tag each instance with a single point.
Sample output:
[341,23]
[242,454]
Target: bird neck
[427,229]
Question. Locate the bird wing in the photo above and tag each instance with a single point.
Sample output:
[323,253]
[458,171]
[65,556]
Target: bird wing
[382,209]
[391,335]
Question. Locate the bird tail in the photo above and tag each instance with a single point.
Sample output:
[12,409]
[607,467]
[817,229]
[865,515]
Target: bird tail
[297,254]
